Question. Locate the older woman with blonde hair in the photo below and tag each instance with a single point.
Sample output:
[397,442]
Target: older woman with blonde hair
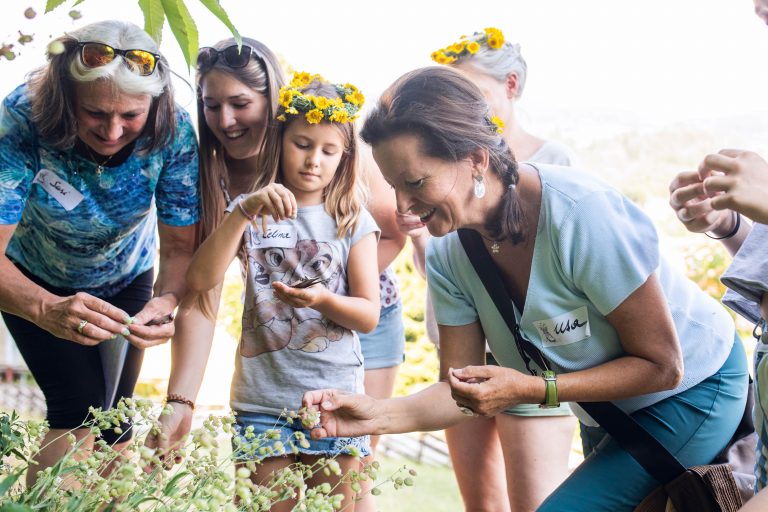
[97,160]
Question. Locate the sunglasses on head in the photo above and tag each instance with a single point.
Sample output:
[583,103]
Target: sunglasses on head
[95,55]
[233,56]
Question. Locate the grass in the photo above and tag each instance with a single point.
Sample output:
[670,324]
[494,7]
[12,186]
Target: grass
[434,489]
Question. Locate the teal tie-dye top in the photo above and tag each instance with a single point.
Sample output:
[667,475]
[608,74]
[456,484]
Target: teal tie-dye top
[109,237]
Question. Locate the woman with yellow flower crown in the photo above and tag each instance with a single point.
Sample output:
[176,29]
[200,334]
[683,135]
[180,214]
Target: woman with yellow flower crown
[528,433]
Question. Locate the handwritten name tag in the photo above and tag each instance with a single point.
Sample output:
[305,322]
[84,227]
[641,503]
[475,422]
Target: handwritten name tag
[64,193]
[564,329]
[277,236]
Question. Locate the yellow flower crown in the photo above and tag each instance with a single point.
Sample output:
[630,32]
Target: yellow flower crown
[491,37]
[318,108]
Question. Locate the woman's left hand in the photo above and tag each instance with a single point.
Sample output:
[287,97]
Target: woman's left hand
[300,297]
[153,325]
[485,390]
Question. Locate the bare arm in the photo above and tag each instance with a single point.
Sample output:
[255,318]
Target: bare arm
[359,310]
[653,362]
[60,316]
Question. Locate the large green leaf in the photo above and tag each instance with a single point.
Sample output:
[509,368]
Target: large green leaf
[154,18]
[219,12]
[183,28]
[52,4]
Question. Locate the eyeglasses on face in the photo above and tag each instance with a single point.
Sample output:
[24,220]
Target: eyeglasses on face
[95,55]
[234,56]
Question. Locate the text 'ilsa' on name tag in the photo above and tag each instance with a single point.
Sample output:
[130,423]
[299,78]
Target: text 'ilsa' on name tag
[64,193]
[564,329]
[285,237]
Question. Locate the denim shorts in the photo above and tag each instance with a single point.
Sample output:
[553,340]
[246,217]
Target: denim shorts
[384,347]
[295,439]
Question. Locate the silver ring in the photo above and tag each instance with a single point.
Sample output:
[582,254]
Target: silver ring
[466,410]
[81,326]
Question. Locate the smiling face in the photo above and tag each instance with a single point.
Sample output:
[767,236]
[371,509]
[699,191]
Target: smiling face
[439,192]
[108,119]
[235,113]
[311,154]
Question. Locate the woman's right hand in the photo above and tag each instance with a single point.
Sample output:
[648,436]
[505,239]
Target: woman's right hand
[274,200]
[693,207]
[174,428]
[341,414]
[83,318]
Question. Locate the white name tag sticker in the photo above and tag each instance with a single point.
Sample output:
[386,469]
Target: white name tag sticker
[277,236]
[564,329]
[66,195]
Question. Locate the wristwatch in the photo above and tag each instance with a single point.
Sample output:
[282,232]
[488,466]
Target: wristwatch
[550,395]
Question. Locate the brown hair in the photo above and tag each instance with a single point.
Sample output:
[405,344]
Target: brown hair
[342,200]
[449,115]
[54,97]
[264,75]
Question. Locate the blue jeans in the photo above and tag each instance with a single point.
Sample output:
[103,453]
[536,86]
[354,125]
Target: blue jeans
[384,347]
[693,425]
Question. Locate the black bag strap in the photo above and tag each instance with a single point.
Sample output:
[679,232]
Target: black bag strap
[628,433]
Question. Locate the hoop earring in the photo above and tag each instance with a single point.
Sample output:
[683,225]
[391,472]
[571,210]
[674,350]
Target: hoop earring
[479,186]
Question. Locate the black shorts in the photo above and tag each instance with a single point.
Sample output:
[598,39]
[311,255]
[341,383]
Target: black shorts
[69,374]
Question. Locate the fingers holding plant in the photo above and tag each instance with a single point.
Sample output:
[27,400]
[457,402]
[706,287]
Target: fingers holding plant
[83,318]
[274,200]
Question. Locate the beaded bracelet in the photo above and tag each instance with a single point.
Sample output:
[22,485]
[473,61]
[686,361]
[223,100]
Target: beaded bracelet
[735,229]
[245,213]
[173,397]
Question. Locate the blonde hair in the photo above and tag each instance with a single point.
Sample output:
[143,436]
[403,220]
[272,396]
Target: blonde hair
[342,195]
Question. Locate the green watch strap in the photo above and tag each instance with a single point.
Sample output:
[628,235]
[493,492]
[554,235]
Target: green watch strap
[550,395]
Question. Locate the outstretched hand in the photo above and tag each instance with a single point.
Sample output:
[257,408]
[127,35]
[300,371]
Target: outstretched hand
[341,414]
[174,428]
[693,207]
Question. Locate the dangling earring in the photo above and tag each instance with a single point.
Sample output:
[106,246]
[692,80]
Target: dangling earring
[479,186]
[512,187]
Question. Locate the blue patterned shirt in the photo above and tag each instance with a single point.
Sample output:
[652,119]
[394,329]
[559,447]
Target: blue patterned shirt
[100,245]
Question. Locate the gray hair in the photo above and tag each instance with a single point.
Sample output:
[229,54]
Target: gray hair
[124,36]
[498,63]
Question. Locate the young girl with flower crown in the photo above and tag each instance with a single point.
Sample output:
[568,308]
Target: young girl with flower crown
[301,224]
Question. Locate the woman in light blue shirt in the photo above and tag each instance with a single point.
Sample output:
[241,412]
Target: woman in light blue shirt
[589,288]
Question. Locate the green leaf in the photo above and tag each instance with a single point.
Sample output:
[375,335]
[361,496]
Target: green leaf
[52,4]
[77,3]
[183,28]
[15,507]
[219,12]
[8,482]
[154,18]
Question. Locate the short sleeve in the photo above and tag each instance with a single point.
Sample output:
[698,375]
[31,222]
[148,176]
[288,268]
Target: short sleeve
[365,225]
[18,156]
[608,247]
[452,306]
[177,194]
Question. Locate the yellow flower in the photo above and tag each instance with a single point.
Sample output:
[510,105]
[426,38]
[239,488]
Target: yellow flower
[339,115]
[291,110]
[498,124]
[322,102]
[314,116]
[456,47]
[281,117]
[286,95]
[495,42]
[351,87]
[434,56]
[301,79]
[473,47]
[338,102]
[355,98]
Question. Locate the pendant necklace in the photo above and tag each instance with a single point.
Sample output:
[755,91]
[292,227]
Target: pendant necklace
[107,180]
[495,247]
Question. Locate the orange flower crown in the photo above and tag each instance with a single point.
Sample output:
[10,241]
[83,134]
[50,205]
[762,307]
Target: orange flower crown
[343,109]
[490,37]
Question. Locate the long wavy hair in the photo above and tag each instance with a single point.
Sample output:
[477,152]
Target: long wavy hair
[53,93]
[449,115]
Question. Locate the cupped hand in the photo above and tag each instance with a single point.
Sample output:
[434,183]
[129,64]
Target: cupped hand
[410,224]
[737,180]
[341,414]
[174,429]
[142,332]
[308,297]
[693,206]
[82,318]
[485,390]
[274,200]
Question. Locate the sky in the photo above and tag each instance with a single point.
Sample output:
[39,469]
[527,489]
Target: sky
[610,62]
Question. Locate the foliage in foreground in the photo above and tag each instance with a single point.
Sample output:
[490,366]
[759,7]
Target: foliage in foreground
[207,479]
